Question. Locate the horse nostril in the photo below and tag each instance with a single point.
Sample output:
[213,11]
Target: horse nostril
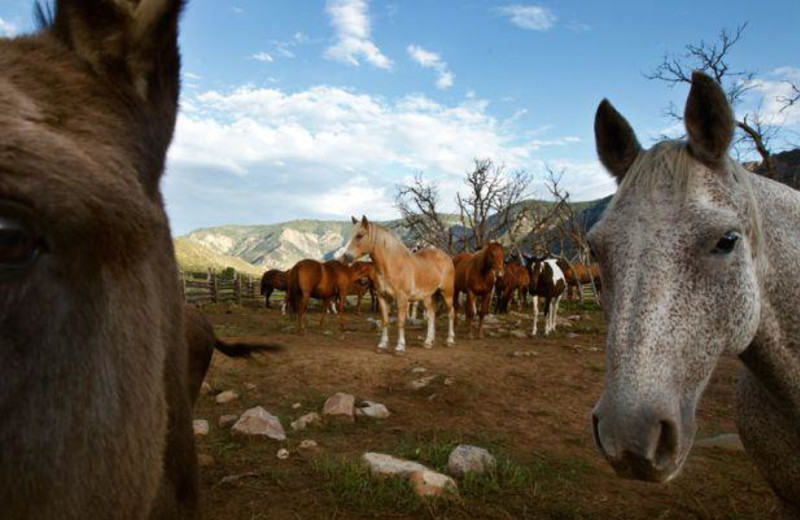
[667,445]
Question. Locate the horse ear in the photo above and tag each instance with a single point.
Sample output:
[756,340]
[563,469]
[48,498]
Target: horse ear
[132,42]
[616,141]
[709,120]
[354,219]
[364,221]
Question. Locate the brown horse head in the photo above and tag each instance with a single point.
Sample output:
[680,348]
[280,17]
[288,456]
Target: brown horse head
[92,352]
[494,258]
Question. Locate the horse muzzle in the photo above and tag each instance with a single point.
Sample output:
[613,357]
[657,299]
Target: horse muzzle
[643,446]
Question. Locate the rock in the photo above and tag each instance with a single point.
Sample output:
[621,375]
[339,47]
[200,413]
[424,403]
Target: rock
[469,459]
[304,421]
[257,422]
[308,444]
[419,370]
[726,442]
[206,389]
[204,460]
[296,406]
[428,483]
[524,353]
[449,381]
[340,406]
[226,397]
[382,464]
[200,427]
[250,386]
[282,454]
[226,421]
[372,410]
[521,334]
[420,383]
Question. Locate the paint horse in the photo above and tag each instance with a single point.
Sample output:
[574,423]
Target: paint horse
[475,275]
[405,277]
[94,378]
[547,281]
[726,245]
[328,281]
[272,280]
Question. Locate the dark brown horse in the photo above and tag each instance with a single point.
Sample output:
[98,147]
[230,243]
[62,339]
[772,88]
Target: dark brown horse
[329,281]
[475,276]
[272,280]
[364,285]
[94,382]
[515,279]
[578,275]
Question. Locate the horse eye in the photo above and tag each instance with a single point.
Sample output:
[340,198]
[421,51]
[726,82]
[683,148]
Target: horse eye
[359,236]
[20,244]
[727,243]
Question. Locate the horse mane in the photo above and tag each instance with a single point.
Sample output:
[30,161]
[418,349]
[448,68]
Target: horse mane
[381,236]
[671,160]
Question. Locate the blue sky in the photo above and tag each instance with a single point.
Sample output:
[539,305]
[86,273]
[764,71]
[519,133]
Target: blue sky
[317,109]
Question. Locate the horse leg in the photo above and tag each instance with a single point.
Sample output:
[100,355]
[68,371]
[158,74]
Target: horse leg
[470,311]
[402,311]
[430,312]
[360,294]
[451,317]
[548,315]
[342,298]
[482,310]
[535,313]
[554,310]
[267,294]
[456,296]
[301,309]
[383,345]
[283,307]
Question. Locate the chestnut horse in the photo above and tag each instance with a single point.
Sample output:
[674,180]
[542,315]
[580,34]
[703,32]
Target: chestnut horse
[725,245]
[94,379]
[475,275]
[578,275]
[547,280]
[329,281]
[404,276]
[516,278]
[364,285]
[272,280]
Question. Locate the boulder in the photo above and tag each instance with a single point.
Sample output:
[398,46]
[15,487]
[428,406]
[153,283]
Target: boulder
[257,422]
[226,397]
[429,483]
[340,406]
[372,410]
[382,464]
[470,459]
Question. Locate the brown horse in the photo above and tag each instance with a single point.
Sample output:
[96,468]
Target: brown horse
[364,285]
[93,357]
[578,275]
[404,276]
[475,275]
[272,280]
[516,278]
[329,281]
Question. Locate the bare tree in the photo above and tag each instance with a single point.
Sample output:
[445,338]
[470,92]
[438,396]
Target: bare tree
[713,58]
[792,99]
[418,203]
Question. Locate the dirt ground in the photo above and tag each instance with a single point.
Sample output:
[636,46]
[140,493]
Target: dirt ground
[531,411]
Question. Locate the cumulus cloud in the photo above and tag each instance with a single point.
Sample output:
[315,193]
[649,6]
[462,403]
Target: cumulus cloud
[351,23]
[255,155]
[8,29]
[775,90]
[431,60]
[532,17]
[263,56]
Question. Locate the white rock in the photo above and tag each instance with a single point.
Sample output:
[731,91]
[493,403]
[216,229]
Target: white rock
[304,421]
[282,454]
[226,421]
[308,444]
[296,406]
[429,483]
[449,381]
[469,459]
[373,410]
[420,383]
[340,406]
[382,464]
[226,397]
[419,370]
[200,427]
[257,422]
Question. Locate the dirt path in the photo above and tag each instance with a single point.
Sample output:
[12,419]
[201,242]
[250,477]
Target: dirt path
[532,411]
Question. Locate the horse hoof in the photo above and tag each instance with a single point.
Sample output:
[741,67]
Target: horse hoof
[400,352]
[427,345]
[382,350]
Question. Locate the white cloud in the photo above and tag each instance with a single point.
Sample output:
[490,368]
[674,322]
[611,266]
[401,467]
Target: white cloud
[774,92]
[237,10]
[8,29]
[533,17]
[431,60]
[263,56]
[350,20]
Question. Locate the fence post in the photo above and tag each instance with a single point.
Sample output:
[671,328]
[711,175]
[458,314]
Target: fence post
[182,278]
[212,286]
[237,287]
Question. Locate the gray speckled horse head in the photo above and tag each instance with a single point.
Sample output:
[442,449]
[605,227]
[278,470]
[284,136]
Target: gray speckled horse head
[698,258]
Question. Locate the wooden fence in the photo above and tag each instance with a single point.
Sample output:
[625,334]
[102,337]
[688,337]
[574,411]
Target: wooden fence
[209,287]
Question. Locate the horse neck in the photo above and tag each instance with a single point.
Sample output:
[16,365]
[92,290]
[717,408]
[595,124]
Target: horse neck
[384,257]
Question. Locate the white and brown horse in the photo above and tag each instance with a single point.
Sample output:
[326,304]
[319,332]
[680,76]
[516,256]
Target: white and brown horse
[548,281]
[726,246]
[404,277]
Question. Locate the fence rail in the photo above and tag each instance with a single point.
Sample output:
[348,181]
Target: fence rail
[209,287]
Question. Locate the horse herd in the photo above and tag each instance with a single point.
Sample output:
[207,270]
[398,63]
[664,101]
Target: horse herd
[488,274]
[100,361]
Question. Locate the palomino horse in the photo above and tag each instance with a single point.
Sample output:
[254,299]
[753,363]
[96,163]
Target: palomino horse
[272,280]
[725,244]
[404,276]
[547,280]
[516,278]
[475,275]
[93,358]
[329,281]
